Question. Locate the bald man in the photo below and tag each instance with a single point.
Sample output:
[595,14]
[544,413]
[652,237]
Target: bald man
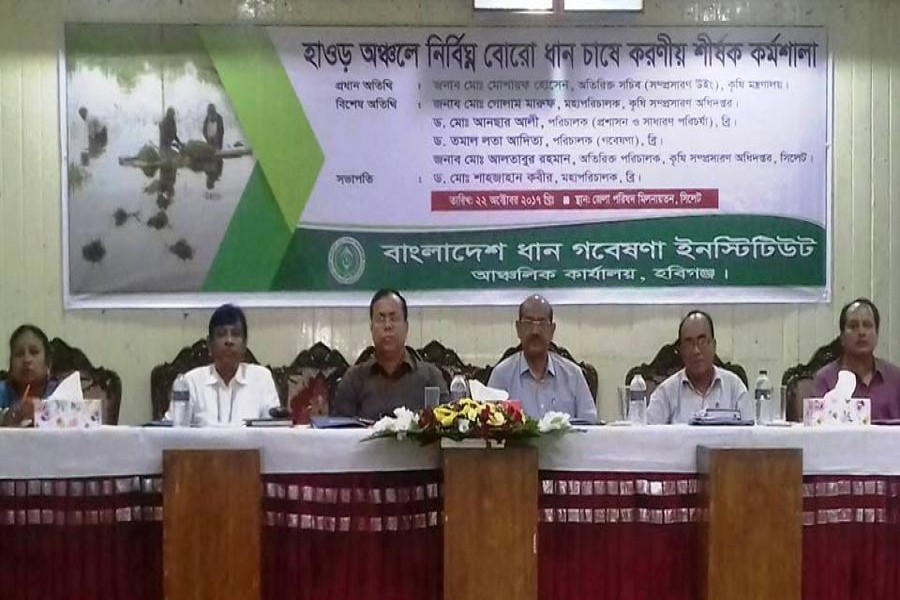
[542,380]
[700,384]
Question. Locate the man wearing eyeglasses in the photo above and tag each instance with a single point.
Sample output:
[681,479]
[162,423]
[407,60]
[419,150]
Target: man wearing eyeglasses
[700,384]
[542,380]
[392,377]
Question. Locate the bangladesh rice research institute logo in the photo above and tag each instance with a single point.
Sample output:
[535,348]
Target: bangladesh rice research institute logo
[346,260]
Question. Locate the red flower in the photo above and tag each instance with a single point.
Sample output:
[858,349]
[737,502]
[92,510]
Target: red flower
[426,419]
[513,412]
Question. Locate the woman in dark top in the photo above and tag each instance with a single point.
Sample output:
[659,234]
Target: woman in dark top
[29,378]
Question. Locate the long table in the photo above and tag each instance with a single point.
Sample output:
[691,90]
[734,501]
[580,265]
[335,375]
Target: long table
[619,511]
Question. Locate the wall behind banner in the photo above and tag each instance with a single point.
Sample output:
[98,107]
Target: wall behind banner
[866,189]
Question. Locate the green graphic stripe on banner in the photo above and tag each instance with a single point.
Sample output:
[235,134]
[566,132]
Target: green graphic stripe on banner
[256,240]
[270,114]
[702,252]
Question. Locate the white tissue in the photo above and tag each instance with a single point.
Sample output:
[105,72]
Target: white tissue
[66,407]
[846,385]
[837,407]
[482,393]
[68,389]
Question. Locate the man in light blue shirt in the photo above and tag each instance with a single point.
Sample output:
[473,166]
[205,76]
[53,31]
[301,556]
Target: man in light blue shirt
[542,380]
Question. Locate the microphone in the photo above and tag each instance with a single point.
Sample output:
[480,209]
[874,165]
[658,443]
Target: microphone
[280,412]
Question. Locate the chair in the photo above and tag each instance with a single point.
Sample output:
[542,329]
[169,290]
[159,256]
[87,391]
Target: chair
[448,361]
[163,376]
[589,371]
[309,382]
[797,380]
[667,362]
[96,382]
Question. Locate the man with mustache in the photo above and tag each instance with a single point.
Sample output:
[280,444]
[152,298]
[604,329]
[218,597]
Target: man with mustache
[392,377]
[700,384]
[542,380]
[229,391]
[876,379]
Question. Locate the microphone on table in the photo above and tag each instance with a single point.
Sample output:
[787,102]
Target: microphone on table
[280,412]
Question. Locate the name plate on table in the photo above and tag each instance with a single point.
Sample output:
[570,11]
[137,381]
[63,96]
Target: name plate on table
[718,417]
[56,413]
[852,411]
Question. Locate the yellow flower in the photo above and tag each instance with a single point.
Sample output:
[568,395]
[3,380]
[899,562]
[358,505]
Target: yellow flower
[471,412]
[496,419]
[445,416]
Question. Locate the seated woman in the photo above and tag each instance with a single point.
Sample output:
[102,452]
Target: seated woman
[29,376]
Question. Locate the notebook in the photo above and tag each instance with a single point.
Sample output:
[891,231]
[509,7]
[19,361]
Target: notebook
[323,422]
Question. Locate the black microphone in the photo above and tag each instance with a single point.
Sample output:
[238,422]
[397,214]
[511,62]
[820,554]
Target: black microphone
[280,412]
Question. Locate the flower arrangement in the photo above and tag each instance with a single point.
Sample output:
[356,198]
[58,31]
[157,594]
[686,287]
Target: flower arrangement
[468,419]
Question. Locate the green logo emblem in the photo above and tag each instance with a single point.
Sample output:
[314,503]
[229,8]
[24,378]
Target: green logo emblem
[346,260]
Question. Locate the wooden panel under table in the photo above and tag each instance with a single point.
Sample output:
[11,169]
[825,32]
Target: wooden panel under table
[211,524]
[490,523]
[751,540]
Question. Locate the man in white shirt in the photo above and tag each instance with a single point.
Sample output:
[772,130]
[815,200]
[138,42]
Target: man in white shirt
[700,384]
[229,391]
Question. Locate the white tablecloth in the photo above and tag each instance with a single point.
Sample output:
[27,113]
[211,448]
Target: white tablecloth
[118,451]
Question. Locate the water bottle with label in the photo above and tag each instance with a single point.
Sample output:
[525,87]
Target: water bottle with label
[763,394]
[637,400]
[181,402]
[459,388]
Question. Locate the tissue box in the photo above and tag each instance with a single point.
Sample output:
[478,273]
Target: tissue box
[68,414]
[852,411]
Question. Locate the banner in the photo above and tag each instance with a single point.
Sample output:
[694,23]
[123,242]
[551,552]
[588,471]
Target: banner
[310,166]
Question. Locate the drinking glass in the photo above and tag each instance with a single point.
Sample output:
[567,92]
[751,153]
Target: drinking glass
[623,402]
[432,397]
[637,412]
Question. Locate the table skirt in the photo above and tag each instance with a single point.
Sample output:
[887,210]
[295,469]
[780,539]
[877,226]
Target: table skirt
[348,536]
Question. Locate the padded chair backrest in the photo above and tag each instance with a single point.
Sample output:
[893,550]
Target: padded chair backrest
[308,384]
[96,382]
[797,380]
[448,361]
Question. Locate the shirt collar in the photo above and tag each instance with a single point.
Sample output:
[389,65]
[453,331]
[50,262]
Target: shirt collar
[877,371]
[408,360]
[683,379]
[524,368]
[240,376]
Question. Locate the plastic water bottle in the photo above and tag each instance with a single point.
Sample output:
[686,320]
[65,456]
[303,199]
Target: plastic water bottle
[181,403]
[763,394]
[637,400]
[459,388]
